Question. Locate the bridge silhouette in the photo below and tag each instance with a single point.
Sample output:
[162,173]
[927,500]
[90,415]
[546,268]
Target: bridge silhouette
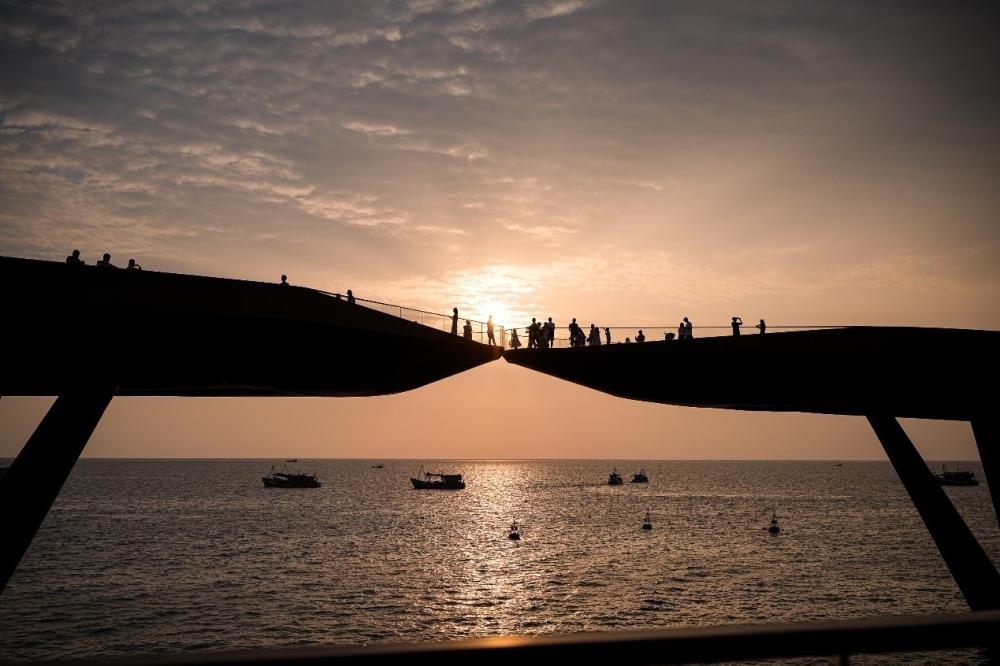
[87,334]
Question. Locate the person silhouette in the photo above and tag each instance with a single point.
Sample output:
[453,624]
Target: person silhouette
[352,300]
[74,259]
[454,316]
[668,336]
[688,329]
[132,266]
[737,322]
[550,332]
[628,341]
[640,337]
[467,330]
[762,326]
[533,334]
[105,261]
[489,331]
[284,281]
[607,335]
[574,331]
[515,342]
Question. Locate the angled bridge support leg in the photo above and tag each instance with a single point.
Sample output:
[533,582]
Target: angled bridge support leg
[30,486]
[987,432]
[971,568]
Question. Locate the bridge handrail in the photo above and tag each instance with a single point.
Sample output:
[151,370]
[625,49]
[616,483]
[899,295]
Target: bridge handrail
[500,332]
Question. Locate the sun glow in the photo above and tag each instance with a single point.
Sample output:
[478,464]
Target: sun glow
[502,314]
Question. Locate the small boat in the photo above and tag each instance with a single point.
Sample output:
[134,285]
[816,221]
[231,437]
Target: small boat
[290,480]
[615,479]
[292,460]
[443,482]
[773,527]
[647,522]
[378,466]
[640,476]
[956,478]
[515,532]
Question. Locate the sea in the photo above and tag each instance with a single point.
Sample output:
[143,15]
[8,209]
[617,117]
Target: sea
[165,556]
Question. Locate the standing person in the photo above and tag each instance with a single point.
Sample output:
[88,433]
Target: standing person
[350,299]
[607,335]
[689,328]
[489,332]
[682,331]
[467,330]
[515,342]
[762,326]
[641,337]
[533,334]
[573,331]
[284,281]
[74,259]
[454,318]
[550,332]
[105,261]
[737,322]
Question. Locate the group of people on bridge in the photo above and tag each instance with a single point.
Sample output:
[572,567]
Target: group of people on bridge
[541,335]
[104,262]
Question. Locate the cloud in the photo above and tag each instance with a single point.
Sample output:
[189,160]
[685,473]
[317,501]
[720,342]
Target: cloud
[821,145]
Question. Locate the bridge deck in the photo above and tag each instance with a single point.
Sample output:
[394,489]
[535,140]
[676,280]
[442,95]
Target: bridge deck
[904,372]
[168,334]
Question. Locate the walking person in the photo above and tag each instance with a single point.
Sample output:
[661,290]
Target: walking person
[489,332]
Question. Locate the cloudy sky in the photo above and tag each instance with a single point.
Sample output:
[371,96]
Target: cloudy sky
[626,163]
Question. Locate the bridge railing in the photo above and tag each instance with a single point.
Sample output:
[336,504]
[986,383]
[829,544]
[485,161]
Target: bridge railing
[435,320]
[622,334]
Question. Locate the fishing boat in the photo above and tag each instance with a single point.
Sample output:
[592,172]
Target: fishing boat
[647,522]
[615,479]
[956,477]
[640,476]
[278,479]
[433,481]
[378,466]
[515,532]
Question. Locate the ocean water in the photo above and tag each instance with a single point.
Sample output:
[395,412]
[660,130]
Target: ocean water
[142,556]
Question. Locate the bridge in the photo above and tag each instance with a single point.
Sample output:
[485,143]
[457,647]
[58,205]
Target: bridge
[86,334]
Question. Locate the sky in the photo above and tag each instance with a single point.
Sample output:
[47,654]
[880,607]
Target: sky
[626,163]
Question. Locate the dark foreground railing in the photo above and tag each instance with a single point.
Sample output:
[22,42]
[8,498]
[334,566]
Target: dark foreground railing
[839,638]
